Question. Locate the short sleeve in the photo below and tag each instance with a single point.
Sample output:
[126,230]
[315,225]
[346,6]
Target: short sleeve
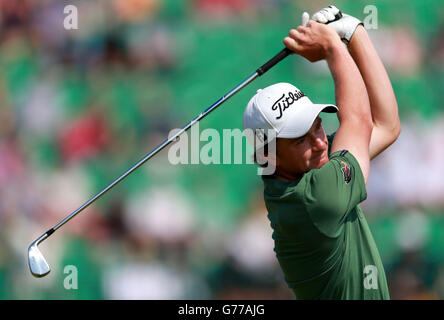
[333,191]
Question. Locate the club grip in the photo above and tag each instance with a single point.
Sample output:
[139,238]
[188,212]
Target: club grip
[270,63]
[50,232]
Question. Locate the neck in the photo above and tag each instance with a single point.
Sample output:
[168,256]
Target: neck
[286,176]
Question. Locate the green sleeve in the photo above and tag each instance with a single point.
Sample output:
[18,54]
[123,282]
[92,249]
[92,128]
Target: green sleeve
[333,191]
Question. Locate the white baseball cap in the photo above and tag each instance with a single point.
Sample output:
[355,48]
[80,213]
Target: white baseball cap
[280,111]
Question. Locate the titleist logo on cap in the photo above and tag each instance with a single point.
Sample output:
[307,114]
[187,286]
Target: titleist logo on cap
[285,101]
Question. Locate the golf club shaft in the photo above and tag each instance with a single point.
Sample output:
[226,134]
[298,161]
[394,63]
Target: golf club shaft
[264,68]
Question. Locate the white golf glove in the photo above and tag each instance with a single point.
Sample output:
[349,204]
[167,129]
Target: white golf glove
[345,26]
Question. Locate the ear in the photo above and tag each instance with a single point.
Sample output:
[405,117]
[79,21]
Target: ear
[269,159]
[273,159]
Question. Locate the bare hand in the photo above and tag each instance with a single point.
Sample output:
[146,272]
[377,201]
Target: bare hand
[313,42]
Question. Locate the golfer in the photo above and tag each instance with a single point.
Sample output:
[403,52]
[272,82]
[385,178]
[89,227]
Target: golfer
[322,240]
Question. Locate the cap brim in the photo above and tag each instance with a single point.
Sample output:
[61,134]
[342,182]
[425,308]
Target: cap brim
[301,121]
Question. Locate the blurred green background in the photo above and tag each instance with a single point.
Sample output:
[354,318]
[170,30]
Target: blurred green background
[79,107]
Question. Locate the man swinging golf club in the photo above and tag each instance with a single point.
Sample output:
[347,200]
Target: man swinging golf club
[322,239]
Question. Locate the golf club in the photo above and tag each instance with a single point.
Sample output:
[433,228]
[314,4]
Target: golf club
[37,263]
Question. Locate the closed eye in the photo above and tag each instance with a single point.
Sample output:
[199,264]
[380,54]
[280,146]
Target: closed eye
[300,140]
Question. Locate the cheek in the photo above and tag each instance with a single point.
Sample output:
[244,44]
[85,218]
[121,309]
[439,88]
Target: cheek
[303,156]
[307,154]
[291,158]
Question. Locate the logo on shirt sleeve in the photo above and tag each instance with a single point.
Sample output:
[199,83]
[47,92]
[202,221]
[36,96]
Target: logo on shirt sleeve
[346,172]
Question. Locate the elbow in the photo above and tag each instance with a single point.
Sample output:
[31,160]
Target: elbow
[390,124]
[394,131]
[397,131]
[390,133]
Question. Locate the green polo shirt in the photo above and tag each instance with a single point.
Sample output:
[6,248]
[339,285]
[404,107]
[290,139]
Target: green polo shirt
[322,240]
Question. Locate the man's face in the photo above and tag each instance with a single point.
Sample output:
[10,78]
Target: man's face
[296,156]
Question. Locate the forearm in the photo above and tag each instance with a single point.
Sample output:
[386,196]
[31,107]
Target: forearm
[384,108]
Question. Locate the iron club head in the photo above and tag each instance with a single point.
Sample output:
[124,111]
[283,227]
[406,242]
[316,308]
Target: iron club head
[37,263]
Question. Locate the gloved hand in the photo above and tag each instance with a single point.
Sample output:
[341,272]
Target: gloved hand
[345,26]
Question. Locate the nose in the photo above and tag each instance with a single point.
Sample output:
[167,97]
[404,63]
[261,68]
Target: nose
[318,144]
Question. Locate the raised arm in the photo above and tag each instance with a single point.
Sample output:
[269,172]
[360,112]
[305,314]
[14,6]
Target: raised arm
[318,41]
[384,108]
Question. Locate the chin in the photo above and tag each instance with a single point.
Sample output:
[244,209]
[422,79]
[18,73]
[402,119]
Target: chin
[318,164]
[322,164]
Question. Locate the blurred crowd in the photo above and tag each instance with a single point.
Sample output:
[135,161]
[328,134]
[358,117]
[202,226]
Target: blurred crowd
[79,107]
